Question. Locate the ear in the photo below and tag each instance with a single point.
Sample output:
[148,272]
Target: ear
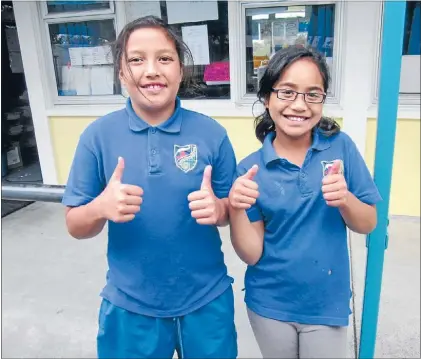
[266,103]
[121,77]
[122,74]
[181,73]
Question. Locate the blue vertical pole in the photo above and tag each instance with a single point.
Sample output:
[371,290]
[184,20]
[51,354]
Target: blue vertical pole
[390,68]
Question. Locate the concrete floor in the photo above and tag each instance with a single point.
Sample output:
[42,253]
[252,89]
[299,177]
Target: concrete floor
[50,287]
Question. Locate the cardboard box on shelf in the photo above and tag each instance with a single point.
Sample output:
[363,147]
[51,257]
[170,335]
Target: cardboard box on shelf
[14,158]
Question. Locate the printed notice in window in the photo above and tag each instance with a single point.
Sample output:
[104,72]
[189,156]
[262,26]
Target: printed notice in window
[196,38]
[191,11]
[102,80]
[136,9]
[75,54]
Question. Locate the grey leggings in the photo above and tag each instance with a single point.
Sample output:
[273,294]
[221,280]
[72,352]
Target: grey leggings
[278,339]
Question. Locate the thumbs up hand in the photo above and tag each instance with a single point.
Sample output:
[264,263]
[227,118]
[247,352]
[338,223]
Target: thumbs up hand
[203,204]
[244,191]
[120,202]
[334,186]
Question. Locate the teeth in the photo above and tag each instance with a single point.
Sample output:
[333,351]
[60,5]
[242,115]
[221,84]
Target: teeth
[154,87]
[297,119]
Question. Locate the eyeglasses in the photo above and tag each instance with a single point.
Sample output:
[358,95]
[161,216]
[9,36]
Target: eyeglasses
[291,95]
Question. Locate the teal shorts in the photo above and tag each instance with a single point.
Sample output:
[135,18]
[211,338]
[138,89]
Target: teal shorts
[208,332]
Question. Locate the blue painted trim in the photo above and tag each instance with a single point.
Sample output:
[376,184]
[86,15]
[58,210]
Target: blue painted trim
[390,68]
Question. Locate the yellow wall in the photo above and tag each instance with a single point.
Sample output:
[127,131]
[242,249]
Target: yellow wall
[405,192]
[65,133]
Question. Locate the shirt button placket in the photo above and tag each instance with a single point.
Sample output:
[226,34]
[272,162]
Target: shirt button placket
[303,183]
[153,151]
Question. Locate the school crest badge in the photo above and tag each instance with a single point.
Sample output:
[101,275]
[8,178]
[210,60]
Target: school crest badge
[327,164]
[185,157]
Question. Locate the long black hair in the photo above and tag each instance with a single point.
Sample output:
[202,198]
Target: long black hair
[119,47]
[275,68]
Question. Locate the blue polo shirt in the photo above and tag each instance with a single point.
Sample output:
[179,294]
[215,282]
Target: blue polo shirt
[162,263]
[303,275]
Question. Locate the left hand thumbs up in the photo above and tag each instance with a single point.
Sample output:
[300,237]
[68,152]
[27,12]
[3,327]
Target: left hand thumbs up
[203,202]
[207,179]
[334,186]
[335,169]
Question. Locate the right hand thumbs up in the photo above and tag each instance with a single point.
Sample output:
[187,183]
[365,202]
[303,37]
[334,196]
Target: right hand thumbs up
[120,202]
[251,173]
[118,172]
[244,191]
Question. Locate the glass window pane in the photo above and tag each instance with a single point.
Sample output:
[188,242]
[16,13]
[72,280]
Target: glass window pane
[412,35]
[411,50]
[82,58]
[271,29]
[203,25]
[54,7]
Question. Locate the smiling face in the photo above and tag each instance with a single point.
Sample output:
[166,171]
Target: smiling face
[151,73]
[296,118]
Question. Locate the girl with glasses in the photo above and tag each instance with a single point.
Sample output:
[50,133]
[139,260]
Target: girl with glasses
[290,208]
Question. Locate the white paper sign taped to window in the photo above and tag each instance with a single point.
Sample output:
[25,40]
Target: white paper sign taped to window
[136,9]
[67,85]
[75,54]
[196,38]
[102,80]
[191,11]
[75,81]
[102,55]
[82,78]
[87,56]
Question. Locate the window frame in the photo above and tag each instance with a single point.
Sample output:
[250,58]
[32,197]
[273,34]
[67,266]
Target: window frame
[240,102]
[238,10]
[118,17]
[46,15]
[408,100]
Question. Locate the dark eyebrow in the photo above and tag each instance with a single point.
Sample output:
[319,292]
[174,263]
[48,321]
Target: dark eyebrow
[311,88]
[315,88]
[160,52]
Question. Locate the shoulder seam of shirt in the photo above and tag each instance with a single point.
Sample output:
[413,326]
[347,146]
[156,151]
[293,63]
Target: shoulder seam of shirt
[222,140]
[83,143]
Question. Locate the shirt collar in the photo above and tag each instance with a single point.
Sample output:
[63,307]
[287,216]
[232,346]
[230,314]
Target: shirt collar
[320,143]
[173,124]
[269,154]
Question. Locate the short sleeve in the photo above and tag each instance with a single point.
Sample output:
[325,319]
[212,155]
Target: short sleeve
[223,169]
[359,180]
[254,213]
[85,181]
